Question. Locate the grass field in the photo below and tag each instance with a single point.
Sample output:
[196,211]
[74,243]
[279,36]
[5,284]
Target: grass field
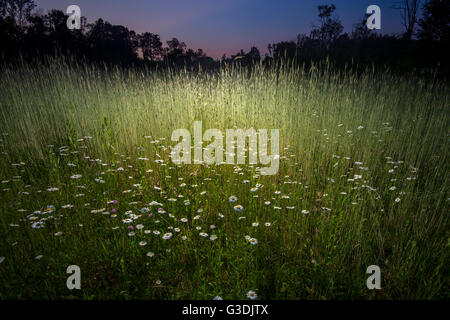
[86,180]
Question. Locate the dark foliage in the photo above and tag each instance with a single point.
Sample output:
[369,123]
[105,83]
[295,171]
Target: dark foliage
[28,36]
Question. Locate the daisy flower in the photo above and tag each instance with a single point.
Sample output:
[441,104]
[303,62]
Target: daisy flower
[167,236]
[238,208]
[252,295]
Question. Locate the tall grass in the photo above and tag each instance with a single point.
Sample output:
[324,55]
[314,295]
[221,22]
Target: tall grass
[346,142]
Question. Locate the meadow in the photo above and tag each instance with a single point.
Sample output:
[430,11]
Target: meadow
[86,179]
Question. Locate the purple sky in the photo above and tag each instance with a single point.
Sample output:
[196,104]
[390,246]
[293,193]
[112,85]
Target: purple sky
[225,26]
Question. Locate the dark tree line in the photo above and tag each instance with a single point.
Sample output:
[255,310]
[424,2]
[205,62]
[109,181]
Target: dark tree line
[29,34]
[32,35]
[422,47]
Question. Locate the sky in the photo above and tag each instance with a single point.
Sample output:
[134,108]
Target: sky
[226,26]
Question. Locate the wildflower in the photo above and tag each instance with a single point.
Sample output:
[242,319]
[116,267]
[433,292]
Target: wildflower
[392,188]
[217,298]
[150,254]
[131,234]
[267,224]
[158,282]
[52,189]
[167,236]
[238,208]
[140,226]
[255,224]
[57,234]
[76,176]
[39,257]
[305,211]
[232,199]
[144,210]
[203,234]
[397,199]
[252,295]
[253,241]
[213,237]
[142,243]
[67,206]
[127,220]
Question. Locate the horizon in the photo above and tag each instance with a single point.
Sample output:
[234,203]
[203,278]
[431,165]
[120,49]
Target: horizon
[226,28]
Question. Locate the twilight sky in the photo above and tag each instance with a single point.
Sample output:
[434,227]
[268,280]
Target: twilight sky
[225,26]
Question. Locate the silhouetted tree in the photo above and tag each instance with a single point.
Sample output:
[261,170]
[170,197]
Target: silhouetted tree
[435,24]
[330,26]
[409,10]
[150,45]
[18,10]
